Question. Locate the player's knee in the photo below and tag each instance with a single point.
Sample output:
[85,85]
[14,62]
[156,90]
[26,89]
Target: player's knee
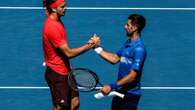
[61,107]
[75,103]
[57,107]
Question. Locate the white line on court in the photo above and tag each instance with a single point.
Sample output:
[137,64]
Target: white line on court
[22,87]
[99,8]
[169,88]
[144,88]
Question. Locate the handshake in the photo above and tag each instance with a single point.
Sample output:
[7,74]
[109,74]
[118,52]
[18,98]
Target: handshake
[94,42]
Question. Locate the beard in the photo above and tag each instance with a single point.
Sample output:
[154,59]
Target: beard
[129,34]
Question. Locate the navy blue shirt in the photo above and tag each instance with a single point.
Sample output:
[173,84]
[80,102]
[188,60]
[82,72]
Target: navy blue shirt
[132,56]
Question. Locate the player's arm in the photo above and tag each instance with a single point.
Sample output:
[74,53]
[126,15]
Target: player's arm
[59,42]
[72,52]
[108,56]
[125,80]
[139,58]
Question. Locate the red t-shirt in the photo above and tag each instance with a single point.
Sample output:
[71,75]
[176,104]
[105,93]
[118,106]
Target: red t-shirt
[54,36]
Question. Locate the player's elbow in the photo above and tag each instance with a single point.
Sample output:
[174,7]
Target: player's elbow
[114,59]
[69,55]
[132,75]
[113,62]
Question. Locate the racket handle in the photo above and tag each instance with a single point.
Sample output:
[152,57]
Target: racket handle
[113,93]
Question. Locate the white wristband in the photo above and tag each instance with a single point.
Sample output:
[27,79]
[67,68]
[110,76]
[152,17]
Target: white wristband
[98,50]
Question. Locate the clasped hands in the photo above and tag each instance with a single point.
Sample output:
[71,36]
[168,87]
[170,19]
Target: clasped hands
[94,41]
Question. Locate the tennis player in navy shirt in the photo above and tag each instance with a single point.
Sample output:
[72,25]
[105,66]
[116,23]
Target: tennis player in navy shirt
[131,57]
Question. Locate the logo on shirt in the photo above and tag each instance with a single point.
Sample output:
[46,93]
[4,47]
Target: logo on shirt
[62,101]
[137,62]
[125,60]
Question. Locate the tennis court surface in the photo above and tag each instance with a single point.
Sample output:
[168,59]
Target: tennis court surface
[168,79]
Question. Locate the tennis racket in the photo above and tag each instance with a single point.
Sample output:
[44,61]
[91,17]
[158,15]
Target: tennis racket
[85,80]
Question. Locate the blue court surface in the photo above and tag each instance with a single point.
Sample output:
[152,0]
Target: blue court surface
[168,79]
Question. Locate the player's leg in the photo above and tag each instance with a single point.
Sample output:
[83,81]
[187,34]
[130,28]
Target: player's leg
[57,107]
[75,102]
[58,88]
[116,102]
[130,102]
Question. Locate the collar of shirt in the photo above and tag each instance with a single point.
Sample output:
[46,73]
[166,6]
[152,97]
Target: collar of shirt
[129,43]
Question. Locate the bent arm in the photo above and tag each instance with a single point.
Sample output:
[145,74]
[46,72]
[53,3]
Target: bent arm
[127,79]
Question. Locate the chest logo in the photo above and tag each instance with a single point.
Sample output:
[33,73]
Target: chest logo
[125,60]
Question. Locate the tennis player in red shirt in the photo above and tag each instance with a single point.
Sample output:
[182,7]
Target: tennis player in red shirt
[57,54]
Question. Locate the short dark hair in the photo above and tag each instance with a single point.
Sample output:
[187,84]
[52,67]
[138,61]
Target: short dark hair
[138,20]
[47,3]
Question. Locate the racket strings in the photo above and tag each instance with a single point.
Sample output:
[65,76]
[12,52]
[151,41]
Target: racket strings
[83,80]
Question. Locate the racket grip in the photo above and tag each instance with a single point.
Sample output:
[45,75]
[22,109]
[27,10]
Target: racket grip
[113,93]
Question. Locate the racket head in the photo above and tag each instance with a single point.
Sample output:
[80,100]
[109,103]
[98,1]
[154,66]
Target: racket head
[82,79]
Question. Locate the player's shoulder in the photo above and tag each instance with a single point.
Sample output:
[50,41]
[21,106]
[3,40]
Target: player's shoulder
[51,22]
[51,25]
[140,48]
